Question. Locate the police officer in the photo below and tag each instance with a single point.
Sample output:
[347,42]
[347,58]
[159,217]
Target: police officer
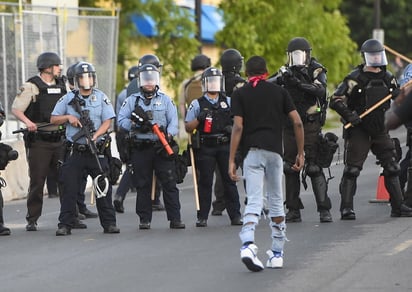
[305,80]
[121,137]
[83,211]
[93,108]
[140,114]
[33,105]
[362,88]
[211,117]
[231,62]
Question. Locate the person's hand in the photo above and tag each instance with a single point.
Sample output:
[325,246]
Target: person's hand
[292,81]
[202,115]
[299,162]
[139,116]
[354,119]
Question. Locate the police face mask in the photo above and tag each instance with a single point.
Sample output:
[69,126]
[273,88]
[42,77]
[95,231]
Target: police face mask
[297,58]
[375,59]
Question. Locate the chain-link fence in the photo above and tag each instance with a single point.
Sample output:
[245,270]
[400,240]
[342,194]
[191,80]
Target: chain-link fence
[81,34]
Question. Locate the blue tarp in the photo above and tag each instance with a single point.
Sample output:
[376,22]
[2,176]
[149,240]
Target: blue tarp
[212,22]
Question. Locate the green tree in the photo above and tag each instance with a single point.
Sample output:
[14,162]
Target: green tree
[174,43]
[264,27]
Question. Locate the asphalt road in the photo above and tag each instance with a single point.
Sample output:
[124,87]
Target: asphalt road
[372,253]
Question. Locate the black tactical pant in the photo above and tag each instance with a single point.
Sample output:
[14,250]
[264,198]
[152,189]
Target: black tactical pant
[42,156]
[312,131]
[72,178]
[209,157]
[357,145]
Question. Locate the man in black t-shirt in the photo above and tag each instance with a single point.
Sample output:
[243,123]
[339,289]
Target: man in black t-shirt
[260,109]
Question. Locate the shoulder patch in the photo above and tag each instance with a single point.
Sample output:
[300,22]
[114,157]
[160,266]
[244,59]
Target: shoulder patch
[107,100]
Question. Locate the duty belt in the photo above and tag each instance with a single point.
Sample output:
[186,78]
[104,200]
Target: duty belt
[143,143]
[214,140]
[49,136]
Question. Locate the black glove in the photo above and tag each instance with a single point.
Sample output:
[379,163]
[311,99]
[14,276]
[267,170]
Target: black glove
[202,115]
[354,119]
[292,81]
[139,116]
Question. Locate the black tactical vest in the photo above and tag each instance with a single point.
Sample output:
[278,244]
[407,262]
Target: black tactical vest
[370,89]
[41,110]
[221,114]
[303,100]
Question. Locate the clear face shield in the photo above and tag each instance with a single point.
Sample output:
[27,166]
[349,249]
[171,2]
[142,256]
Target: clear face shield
[86,81]
[149,81]
[375,59]
[213,84]
[297,58]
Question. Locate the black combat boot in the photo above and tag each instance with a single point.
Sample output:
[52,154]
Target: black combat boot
[347,189]
[320,189]
[399,209]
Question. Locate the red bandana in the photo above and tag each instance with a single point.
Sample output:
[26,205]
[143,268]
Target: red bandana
[255,79]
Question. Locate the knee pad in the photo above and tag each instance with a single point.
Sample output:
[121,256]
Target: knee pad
[351,171]
[313,170]
[391,169]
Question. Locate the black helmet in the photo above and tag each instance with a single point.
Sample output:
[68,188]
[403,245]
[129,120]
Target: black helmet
[231,61]
[200,62]
[70,73]
[150,59]
[298,52]
[47,60]
[213,80]
[373,53]
[84,70]
[132,73]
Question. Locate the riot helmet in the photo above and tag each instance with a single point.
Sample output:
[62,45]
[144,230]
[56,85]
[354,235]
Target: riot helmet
[231,61]
[298,52]
[133,72]
[150,59]
[200,62]
[213,81]
[47,60]
[85,76]
[70,73]
[373,53]
[149,80]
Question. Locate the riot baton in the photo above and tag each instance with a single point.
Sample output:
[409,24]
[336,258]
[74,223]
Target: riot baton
[376,105]
[397,54]
[22,130]
[192,160]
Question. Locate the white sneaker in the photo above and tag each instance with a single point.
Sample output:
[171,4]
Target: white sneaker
[248,255]
[275,260]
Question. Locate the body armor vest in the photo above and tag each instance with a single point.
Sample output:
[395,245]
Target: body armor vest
[370,89]
[41,110]
[221,114]
[303,100]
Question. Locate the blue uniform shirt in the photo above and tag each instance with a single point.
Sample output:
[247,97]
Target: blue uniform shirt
[164,114]
[97,103]
[194,107]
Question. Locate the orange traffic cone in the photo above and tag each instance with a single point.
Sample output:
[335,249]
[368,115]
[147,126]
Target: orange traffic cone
[382,195]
